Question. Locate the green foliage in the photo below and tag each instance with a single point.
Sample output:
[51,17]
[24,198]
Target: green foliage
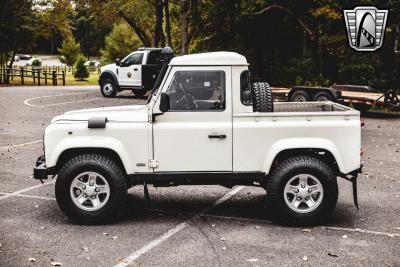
[69,50]
[119,43]
[81,71]
[36,63]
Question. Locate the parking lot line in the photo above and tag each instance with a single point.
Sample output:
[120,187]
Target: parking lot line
[28,196]
[143,250]
[26,190]
[26,102]
[358,230]
[70,102]
[24,144]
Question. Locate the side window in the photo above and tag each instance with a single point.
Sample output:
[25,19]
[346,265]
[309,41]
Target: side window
[197,91]
[245,88]
[134,59]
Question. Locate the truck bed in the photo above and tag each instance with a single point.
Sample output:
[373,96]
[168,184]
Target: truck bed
[327,106]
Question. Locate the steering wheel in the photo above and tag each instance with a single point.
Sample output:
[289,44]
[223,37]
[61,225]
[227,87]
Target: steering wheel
[188,98]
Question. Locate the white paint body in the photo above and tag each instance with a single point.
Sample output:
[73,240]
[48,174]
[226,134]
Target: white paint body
[179,140]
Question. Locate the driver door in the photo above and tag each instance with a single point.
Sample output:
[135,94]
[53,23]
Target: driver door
[130,71]
[195,135]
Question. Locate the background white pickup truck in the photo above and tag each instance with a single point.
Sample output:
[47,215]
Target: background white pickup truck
[137,72]
[204,124]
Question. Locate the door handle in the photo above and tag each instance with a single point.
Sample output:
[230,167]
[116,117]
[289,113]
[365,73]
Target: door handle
[135,69]
[217,136]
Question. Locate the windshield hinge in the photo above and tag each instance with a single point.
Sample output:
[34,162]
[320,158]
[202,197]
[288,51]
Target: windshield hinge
[153,163]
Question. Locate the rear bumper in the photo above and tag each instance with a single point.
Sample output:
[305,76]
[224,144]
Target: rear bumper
[40,171]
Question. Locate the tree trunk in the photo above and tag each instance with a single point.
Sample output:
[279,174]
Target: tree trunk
[185,8]
[167,23]
[10,65]
[159,31]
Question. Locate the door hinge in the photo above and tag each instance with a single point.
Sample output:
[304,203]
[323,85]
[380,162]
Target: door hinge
[153,163]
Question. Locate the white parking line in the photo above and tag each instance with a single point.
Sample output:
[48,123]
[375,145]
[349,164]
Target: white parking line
[358,230]
[28,196]
[18,193]
[143,250]
[26,102]
[18,145]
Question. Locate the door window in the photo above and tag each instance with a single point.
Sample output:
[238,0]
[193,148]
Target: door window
[197,91]
[134,59]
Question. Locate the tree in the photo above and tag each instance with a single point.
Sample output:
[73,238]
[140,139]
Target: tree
[81,71]
[69,50]
[119,43]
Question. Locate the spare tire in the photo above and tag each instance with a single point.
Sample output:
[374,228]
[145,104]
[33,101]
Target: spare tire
[261,95]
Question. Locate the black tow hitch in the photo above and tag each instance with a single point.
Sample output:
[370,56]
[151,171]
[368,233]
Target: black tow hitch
[352,177]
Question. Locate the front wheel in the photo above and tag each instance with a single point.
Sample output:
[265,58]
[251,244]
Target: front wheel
[90,188]
[302,190]
[108,88]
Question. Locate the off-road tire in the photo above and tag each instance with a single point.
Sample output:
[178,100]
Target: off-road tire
[139,92]
[261,95]
[103,90]
[105,167]
[284,172]
[300,94]
[323,96]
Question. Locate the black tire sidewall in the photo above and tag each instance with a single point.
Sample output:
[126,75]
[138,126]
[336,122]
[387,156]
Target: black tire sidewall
[139,92]
[325,177]
[103,83]
[300,92]
[327,95]
[117,184]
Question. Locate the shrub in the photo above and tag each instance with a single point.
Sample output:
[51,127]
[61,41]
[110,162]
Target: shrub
[69,50]
[81,71]
[36,63]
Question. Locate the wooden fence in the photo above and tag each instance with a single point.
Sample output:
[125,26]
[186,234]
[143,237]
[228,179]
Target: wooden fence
[40,76]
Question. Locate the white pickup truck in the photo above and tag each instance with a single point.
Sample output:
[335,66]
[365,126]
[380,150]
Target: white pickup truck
[204,124]
[138,72]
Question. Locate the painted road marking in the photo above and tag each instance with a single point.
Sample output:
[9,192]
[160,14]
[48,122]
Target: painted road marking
[17,193]
[358,230]
[137,254]
[28,196]
[26,102]
[24,144]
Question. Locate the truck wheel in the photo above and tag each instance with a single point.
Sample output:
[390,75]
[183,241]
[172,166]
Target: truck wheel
[323,96]
[90,188]
[300,96]
[139,92]
[302,190]
[262,97]
[363,108]
[108,88]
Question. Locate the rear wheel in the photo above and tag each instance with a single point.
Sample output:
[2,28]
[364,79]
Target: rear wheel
[108,88]
[323,96]
[300,96]
[90,188]
[139,92]
[363,108]
[262,97]
[302,190]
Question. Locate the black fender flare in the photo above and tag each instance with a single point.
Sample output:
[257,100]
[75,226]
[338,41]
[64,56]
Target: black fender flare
[108,74]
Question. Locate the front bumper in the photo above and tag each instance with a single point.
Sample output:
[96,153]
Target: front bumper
[40,172]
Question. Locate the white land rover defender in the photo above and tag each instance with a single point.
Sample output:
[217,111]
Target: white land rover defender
[137,72]
[204,123]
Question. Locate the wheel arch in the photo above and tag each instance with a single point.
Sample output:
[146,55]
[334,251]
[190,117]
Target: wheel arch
[108,75]
[322,149]
[70,153]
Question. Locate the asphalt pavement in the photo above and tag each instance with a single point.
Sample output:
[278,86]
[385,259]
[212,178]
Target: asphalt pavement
[186,225]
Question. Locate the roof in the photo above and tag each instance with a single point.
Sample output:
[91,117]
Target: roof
[208,59]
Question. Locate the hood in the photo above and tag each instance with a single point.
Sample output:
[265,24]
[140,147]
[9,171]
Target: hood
[111,67]
[133,113]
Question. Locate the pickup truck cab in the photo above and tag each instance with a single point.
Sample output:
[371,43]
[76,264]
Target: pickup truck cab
[204,124]
[137,72]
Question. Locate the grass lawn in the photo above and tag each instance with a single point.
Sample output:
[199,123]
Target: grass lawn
[69,80]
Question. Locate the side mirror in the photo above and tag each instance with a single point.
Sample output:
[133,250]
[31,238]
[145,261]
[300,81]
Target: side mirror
[118,62]
[164,102]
